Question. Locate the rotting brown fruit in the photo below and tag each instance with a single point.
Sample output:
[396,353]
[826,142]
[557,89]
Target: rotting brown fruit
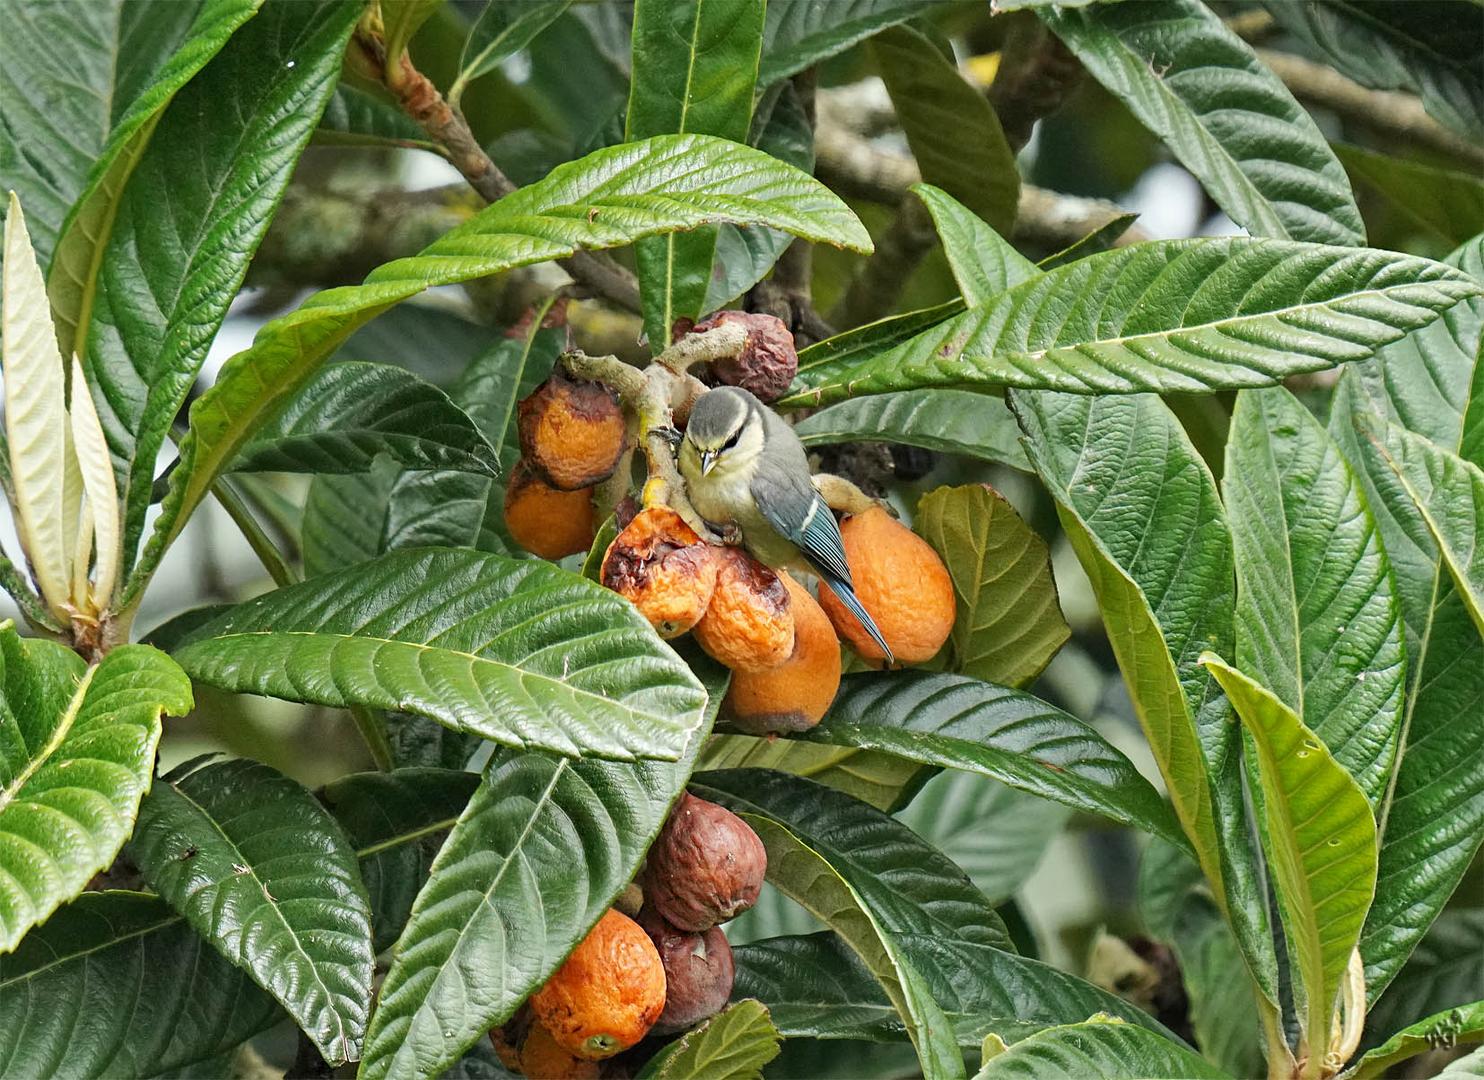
[749,625]
[795,695]
[706,866]
[572,431]
[544,520]
[661,566]
[768,361]
[698,971]
[901,582]
[608,993]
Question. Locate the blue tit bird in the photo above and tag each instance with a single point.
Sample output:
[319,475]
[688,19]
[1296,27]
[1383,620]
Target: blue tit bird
[743,466]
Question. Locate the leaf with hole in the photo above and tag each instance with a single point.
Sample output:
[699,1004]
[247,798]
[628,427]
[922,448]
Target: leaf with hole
[1445,970]
[351,412]
[609,198]
[1311,571]
[1007,625]
[519,652]
[1463,1026]
[1224,115]
[1320,839]
[263,872]
[957,722]
[1187,316]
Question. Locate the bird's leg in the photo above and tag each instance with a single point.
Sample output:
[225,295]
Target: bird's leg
[841,495]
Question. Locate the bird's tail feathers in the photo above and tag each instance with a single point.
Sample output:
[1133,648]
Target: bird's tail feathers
[847,596]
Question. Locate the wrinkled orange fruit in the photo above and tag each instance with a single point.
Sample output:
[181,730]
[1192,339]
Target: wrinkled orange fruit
[608,993]
[545,521]
[900,580]
[504,1041]
[748,626]
[543,1058]
[661,566]
[795,695]
[571,431]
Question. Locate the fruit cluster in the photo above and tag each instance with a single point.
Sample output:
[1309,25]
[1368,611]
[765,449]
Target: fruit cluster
[660,974]
[782,645]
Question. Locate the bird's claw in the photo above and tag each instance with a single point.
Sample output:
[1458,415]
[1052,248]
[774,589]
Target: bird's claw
[669,433]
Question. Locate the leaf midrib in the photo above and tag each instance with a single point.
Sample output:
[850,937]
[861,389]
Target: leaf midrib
[361,854]
[54,742]
[520,672]
[330,998]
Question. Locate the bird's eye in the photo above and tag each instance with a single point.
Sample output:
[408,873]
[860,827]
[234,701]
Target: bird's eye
[732,440]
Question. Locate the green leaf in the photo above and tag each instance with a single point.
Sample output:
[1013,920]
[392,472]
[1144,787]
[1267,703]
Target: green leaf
[77,749]
[949,421]
[1010,736]
[1226,117]
[1124,474]
[866,876]
[1100,239]
[1424,380]
[351,412]
[744,256]
[1101,1047]
[397,821]
[355,117]
[734,1044]
[609,198]
[1311,571]
[694,66]
[1463,1026]
[262,871]
[1320,839]
[816,987]
[1223,1012]
[800,33]
[185,233]
[518,652]
[1427,49]
[503,28]
[846,349]
[1445,970]
[1449,495]
[345,516]
[116,984]
[1171,316]
[950,126]
[401,20]
[83,86]
[36,419]
[1008,624]
[877,779]
[994,833]
[537,856]
[983,262]
[1447,203]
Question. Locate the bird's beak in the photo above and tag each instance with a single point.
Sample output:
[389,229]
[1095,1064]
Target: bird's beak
[708,461]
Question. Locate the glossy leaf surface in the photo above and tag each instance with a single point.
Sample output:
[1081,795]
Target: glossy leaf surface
[263,872]
[77,750]
[519,652]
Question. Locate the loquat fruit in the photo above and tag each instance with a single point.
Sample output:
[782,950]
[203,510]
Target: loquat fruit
[795,695]
[749,625]
[544,520]
[572,431]
[662,567]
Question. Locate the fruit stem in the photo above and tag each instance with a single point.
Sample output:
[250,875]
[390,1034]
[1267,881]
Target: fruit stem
[841,495]
[728,339]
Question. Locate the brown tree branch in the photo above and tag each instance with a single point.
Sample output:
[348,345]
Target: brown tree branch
[445,124]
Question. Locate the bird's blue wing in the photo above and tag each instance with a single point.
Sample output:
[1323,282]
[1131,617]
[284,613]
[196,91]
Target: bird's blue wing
[803,519]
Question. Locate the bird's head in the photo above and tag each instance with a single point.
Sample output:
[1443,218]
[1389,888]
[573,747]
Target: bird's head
[724,433]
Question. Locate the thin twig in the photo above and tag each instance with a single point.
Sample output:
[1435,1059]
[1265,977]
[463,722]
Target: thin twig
[445,124]
[263,547]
